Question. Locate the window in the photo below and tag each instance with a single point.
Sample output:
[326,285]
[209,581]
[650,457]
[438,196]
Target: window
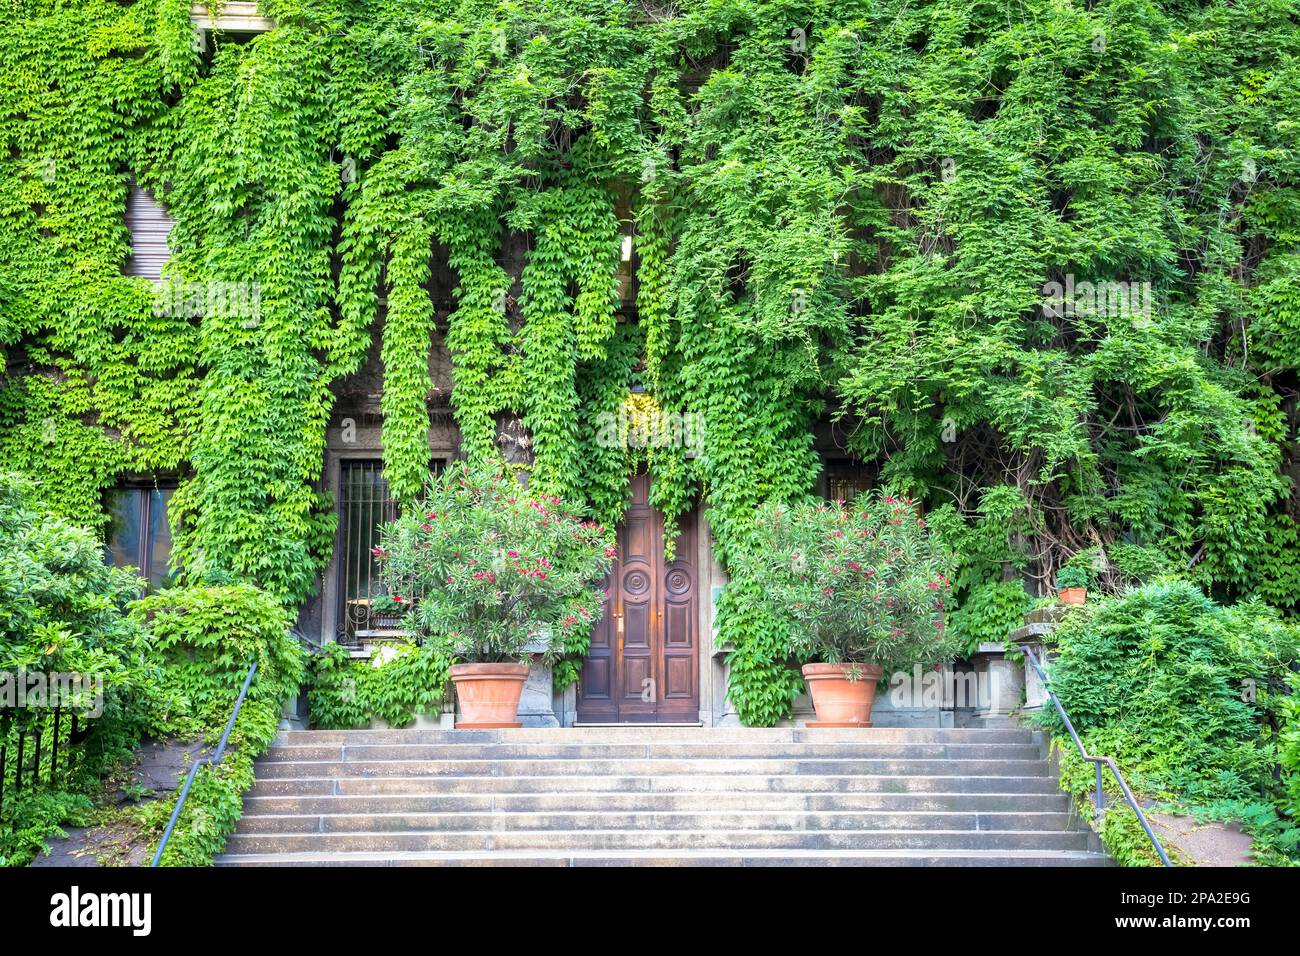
[139,536]
[364,504]
[150,226]
[845,479]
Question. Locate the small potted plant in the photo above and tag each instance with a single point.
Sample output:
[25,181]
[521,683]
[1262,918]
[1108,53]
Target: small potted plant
[1072,585]
[491,570]
[863,590]
[386,611]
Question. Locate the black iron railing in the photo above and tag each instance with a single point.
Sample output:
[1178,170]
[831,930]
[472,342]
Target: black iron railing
[1098,763]
[39,751]
[206,761]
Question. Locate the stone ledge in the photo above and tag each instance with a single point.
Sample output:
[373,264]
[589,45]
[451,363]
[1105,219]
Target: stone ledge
[1051,614]
[1029,633]
[236,16]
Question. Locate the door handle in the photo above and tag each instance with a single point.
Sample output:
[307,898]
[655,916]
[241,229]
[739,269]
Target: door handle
[620,635]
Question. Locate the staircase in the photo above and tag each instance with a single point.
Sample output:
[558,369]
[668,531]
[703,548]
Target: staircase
[659,795]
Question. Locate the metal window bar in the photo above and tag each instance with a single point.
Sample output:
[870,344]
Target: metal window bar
[1098,762]
[845,479]
[365,504]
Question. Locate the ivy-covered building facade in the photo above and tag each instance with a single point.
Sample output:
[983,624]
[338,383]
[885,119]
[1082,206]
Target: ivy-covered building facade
[265,268]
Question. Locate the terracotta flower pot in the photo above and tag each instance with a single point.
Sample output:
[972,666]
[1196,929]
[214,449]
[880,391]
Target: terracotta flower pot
[1072,595]
[488,694]
[839,701]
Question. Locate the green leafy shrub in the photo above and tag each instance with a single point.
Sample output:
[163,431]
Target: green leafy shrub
[860,584]
[489,568]
[1161,678]
[63,611]
[204,639]
[1155,679]
[1288,750]
[989,612]
[398,683]
[1072,576]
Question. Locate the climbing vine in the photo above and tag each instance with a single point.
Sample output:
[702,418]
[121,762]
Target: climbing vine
[1037,262]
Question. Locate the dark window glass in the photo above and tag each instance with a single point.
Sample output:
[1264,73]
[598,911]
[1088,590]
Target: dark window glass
[124,537]
[160,538]
[139,535]
[846,479]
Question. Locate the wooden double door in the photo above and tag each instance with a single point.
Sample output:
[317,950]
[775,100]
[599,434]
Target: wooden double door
[644,665]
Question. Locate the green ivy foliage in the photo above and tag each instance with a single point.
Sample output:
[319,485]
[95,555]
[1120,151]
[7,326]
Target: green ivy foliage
[838,209]
[170,665]
[345,693]
[204,639]
[1155,679]
[63,611]
[1172,685]
[1288,743]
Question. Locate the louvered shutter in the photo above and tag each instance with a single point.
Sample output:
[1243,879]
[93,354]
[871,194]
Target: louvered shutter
[149,225]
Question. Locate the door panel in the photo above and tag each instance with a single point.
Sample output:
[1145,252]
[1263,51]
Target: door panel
[596,680]
[681,671]
[644,664]
[638,578]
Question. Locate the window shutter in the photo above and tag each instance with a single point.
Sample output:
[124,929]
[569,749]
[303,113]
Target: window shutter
[149,225]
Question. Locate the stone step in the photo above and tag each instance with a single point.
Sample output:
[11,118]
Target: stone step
[685,857]
[649,802]
[659,796]
[732,840]
[1040,783]
[652,734]
[708,821]
[511,767]
[694,750]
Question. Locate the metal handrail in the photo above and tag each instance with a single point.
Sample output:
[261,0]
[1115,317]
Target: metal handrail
[213,761]
[1097,762]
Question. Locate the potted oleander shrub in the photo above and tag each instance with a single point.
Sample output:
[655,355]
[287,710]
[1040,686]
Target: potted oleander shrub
[1072,585]
[863,589]
[491,573]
